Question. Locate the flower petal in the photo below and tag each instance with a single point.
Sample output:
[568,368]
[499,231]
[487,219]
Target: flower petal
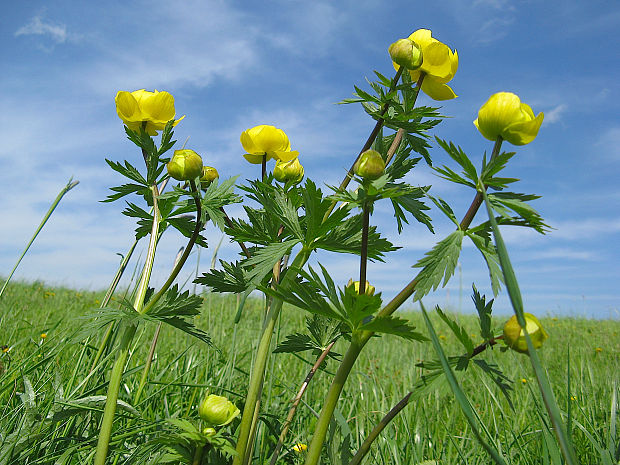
[270,139]
[523,132]
[284,155]
[438,61]
[127,107]
[158,107]
[437,90]
[254,158]
[248,142]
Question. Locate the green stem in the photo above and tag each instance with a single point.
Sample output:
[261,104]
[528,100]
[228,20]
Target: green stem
[70,185]
[262,355]
[198,455]
[364,250]
[320,431]
[112,396]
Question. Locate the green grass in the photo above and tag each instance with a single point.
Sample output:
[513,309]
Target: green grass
[40,387]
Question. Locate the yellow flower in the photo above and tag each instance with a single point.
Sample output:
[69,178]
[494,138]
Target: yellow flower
[523,381]
[514,336]
[289,171]
[269,141]
[598,350]
[185,165]
[439,65]
[503,115]
[300,447]
[43,335]
[141,106]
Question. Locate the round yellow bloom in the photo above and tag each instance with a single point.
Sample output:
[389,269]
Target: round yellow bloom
[300,447]
[185,165]
[217,410]
[289,171]
[514,336]
[503,115]
[266,140]
[141,106]
[439,65]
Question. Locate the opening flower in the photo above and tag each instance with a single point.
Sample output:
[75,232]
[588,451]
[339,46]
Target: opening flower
[217,410]
[269,141]
[185,165]
[514,336]
[439,65]
[289,171]
[141,106]
[505,116]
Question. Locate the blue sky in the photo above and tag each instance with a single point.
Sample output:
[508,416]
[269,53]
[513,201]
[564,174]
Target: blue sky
[233,65]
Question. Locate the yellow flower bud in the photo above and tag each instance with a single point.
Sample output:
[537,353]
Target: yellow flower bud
[289,171]
[217,410]
[368,290]
[185,165]
[439,65]
[503,115]
[208,431]
[153,109]
[370,165]
[209,174]
[266,141]
[514,336]
[405,52]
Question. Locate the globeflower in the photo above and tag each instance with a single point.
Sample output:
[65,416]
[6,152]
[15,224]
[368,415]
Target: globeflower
[439,65]
[503,115]
[209,174]
[514,336]
[266,141]
[154,109]
[289,171]
[185,165]
[370,165]
[217,410]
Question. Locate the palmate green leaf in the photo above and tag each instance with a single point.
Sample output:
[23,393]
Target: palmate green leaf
[407,198]
[347,238]
[321,333]
[460,332]
[470,414]
[262,262]
[394,325]
[186,225]
[260,228]
[217,196]
[498,377]
[420,145]
[487,249]
[126,189]
[504,202]
[438,264]
[514,293]
[359,307]
[128,170]
[457,154]
[166,139]
[233,278]
[495,165]
[133,211]
[445,208]
[306,296]
[484,310]
[94,321]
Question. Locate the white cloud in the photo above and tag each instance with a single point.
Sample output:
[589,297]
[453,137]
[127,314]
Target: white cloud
[38,26]
[554,115]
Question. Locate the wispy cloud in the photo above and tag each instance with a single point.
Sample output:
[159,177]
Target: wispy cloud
[39,26]
[554,115]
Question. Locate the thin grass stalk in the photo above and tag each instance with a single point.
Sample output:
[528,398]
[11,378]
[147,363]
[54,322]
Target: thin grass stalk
[297,400]
[329,404]
[514,293]
[70,185]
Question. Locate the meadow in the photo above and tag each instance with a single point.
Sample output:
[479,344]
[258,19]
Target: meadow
[52,398]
